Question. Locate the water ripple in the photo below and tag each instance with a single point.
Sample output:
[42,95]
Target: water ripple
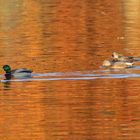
[73,76]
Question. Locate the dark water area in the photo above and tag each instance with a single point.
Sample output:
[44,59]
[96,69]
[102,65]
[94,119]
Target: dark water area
[70,96]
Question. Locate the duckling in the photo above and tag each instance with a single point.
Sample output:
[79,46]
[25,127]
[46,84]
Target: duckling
[117,65]
[119,57]
[17,73]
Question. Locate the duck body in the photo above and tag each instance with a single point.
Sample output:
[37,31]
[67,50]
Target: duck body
[21,73]
[17,73]
[117,65]
[119,57]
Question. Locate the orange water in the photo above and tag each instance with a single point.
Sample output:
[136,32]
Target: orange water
[68,36]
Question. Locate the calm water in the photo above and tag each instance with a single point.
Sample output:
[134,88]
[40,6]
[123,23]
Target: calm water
[70,97]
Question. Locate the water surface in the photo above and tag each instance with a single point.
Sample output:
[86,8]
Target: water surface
[70,96]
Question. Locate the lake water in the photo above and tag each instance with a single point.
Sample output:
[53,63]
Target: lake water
[70,97]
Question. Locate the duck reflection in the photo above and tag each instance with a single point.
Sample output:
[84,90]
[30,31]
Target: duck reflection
[7,85]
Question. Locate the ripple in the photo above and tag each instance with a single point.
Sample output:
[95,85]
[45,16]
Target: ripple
[80,75]
[71,77]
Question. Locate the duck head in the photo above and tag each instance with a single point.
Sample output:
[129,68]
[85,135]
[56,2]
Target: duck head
[7,68]
[116,55]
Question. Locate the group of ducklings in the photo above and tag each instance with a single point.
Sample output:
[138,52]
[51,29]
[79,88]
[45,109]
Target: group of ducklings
[118,61]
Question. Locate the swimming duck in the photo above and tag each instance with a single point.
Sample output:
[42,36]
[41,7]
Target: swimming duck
[119,57]
[17,73]
[117,65]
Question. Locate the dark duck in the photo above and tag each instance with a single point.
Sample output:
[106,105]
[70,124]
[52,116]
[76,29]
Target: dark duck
[17,73]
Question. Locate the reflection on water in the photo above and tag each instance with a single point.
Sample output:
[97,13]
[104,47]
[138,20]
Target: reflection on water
[132,26]
[69,97]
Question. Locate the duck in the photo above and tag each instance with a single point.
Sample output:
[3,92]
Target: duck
[117,65]
[119,57]
[17,73]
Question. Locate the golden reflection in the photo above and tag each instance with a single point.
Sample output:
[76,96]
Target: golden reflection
[132,26]
[68,35]
[30,29]
[81,25]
